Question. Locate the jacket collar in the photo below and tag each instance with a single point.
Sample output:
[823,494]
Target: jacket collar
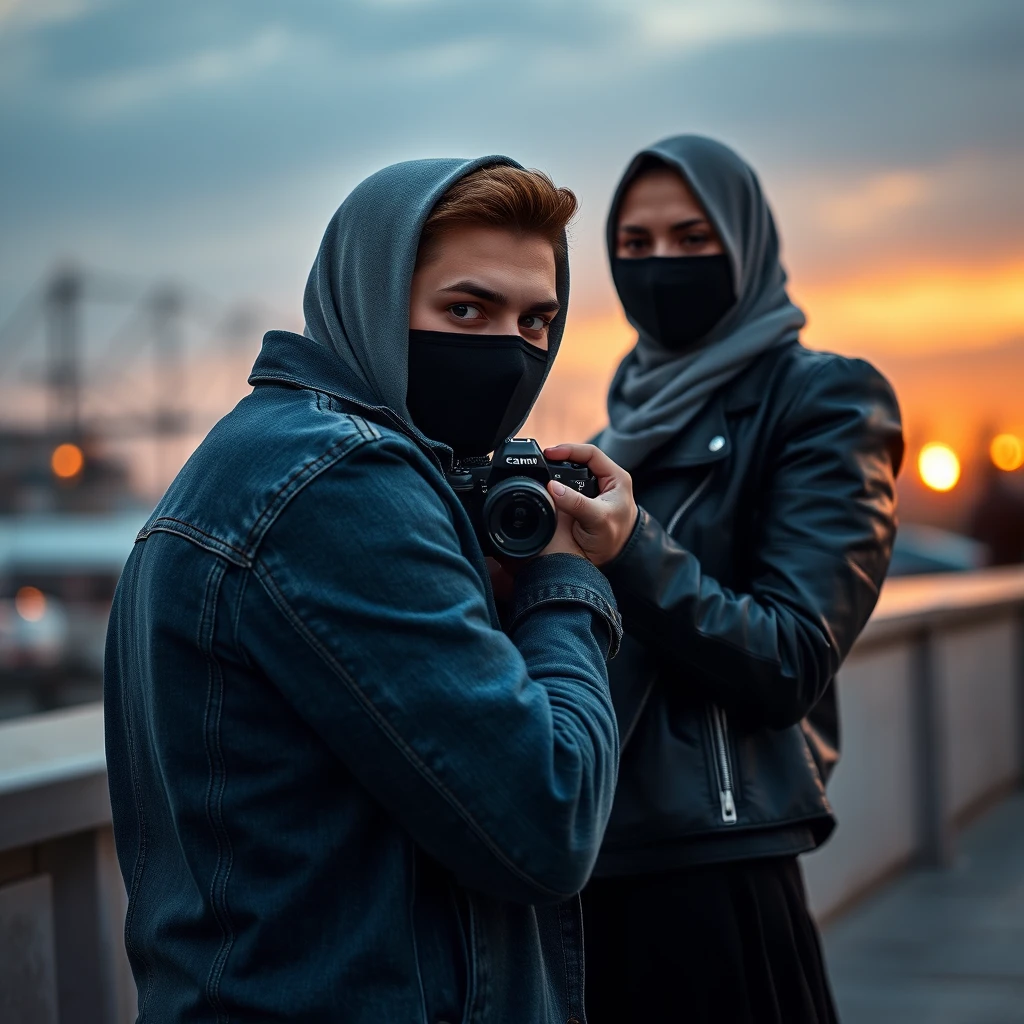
[294,359]
[708,438]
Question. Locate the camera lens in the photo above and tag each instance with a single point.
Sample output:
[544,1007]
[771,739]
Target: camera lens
[520,517]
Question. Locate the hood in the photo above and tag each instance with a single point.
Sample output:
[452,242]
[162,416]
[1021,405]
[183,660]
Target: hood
[730,193]
[356,302]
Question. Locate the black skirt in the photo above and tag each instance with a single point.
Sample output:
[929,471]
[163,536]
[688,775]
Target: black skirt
[725,943]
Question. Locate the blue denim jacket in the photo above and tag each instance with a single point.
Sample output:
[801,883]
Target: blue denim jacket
[341,792]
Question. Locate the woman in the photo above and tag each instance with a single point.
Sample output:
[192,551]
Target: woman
[765,475]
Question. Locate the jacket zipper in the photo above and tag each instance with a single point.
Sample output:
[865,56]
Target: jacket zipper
[684,508]
[723,767]
[719,725]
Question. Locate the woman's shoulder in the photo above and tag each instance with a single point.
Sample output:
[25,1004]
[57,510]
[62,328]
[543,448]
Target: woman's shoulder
[805,376]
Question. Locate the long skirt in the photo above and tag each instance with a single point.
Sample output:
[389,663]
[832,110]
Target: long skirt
[725,943]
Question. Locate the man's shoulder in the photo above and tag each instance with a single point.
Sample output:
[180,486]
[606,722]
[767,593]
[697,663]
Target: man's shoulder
[275,443]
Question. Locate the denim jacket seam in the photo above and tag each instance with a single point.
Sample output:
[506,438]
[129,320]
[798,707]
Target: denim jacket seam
[266,578]
[140,858]
[300,479]
[215,788]
[207,541]
[296,482]
[237,631]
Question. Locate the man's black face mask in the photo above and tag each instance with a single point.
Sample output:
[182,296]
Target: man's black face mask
[676,300]
[471,391]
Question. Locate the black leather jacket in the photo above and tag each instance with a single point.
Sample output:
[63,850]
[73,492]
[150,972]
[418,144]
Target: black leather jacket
[764,535]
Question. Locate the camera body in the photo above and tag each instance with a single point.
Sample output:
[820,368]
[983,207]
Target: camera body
[507,500]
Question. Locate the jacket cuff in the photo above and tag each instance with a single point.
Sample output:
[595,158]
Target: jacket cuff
[643,519]
[566,579]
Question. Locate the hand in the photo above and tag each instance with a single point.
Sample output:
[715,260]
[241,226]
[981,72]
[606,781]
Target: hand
[564,540]
[602,525]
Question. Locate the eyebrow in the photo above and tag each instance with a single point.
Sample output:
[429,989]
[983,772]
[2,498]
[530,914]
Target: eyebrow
[637,229]
[478,291]
[499,298]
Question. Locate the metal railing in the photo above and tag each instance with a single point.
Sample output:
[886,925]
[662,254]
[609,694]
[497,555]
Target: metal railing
[932,701]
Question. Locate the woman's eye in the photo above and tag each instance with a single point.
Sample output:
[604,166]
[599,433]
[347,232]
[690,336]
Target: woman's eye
[635,244]
[533,322]
[697,239]
[465,311]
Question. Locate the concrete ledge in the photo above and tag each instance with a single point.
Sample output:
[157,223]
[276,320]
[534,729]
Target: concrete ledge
[53,778]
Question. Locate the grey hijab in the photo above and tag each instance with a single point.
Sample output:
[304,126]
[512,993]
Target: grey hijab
[655,393]
[357,296]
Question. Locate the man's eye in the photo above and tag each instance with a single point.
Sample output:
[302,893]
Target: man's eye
[465,311]
[534,322]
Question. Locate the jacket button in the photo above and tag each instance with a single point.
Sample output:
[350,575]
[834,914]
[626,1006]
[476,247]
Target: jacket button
[717,443]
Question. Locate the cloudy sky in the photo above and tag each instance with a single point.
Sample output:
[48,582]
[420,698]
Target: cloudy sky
[211,141]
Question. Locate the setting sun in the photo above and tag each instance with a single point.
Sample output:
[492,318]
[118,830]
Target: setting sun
[1007,452]
[939,466]
[67,461]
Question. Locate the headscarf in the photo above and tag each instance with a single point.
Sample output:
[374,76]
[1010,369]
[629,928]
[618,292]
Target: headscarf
[655,392]
[357,295]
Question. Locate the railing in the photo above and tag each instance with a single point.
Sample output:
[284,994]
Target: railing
[932,718]
[932,702]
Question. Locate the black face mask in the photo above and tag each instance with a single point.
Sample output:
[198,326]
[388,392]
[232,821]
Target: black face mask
[471,391]
[676,300]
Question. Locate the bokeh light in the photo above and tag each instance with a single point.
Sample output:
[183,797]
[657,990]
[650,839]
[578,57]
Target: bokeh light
[30,603]
[1007,452]
[939,466]
[67,461]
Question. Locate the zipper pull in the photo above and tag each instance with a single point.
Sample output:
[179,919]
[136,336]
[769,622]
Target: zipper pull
[728,807]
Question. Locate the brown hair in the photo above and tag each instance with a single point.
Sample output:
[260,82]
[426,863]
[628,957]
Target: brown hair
[526,202]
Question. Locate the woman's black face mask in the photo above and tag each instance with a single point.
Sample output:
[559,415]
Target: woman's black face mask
[471,391]
[676,300]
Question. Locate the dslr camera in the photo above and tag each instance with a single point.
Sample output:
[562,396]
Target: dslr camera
[507,499]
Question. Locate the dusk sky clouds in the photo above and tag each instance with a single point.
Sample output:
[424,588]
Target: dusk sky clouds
[212,140]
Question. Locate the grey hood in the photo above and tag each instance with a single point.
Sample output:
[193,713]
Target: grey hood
[655,393]
[357,296]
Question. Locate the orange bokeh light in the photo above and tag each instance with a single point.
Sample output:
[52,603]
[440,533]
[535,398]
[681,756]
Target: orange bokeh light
[939,466]
[67,461]
[1007,452]
[30,603]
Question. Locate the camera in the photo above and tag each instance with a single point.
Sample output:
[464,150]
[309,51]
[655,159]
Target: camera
[507,499]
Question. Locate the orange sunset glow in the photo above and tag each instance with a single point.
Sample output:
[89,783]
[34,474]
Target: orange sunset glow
[945,337]
[919,310]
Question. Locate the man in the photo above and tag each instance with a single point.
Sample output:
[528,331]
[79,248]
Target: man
[341,792]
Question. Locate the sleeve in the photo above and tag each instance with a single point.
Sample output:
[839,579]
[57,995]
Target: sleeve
[825,528]
[497,753]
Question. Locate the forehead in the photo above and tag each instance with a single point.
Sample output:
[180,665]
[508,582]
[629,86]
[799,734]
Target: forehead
[476,249]
[659,194]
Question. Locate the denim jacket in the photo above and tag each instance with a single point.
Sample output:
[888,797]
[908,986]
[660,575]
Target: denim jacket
[340,791]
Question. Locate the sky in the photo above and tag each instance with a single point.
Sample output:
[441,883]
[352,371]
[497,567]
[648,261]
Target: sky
[210,142]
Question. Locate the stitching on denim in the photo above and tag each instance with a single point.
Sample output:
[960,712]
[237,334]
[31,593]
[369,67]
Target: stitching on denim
[299,479]
[153,528]
[140,858]
[237,628]
[265,577]
[215,789]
